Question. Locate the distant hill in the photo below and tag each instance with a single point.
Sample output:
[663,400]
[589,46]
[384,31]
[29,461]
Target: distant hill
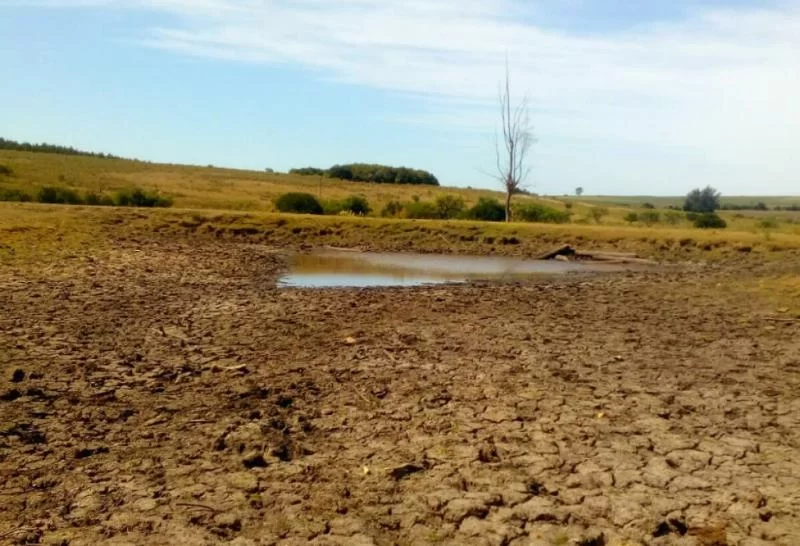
[6,144]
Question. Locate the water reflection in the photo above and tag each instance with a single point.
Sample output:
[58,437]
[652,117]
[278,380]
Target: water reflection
[331,269]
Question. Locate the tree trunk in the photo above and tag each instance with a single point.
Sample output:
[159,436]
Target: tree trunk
[508,206]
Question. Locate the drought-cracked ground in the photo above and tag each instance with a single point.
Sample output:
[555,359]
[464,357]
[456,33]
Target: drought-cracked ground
[172,395]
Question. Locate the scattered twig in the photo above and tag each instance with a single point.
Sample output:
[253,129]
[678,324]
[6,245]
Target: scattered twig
[779,319]
[17,531]
[198,505]
[390,355]
[361,395]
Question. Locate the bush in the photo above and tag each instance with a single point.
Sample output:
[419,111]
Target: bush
[673,218]
[331,207]
[768,223]
[650,217]
[449,206]
[648,206]
[536,212]
[14,195]
[137,197]
[96,199]
[709,220]
[420,210]
[53,195]
[488,210]
[6,170]
[392,209]
[631,217]
[299,203]
[597,213]
[356,204]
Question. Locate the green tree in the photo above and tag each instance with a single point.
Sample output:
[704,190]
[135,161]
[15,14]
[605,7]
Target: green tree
[702,201]
[579,191]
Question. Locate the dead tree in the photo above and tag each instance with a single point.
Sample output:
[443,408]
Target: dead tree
[517,142]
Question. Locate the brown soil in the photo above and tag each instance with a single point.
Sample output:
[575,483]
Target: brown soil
[172,395]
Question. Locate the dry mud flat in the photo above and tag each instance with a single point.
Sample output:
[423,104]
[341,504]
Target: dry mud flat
[172,395]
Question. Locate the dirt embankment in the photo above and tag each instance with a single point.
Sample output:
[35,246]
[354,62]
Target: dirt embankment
[171,395]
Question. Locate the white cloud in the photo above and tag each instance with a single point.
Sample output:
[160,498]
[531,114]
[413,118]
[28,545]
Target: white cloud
[720,85]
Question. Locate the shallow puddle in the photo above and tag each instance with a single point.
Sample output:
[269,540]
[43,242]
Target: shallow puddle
[340,269]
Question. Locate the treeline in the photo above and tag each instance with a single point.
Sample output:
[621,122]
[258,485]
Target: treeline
[377,174]
[6,144]
[134,197]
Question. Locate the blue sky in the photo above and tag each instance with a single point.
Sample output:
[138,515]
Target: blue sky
[626,97]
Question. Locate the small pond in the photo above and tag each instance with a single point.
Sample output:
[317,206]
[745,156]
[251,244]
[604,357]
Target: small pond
[340,269]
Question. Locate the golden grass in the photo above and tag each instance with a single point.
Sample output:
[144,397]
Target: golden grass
[34,232]
[237,190]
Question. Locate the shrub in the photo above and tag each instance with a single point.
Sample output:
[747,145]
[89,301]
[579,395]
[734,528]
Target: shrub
[50,194]
[331,207]
[299,203]
[92,199]
[392,209]
[488,210]
[137,197]
[420,209]
[14,195]
[597,213]
[768,223]
[648,206]
[536,212]
[650,217]
[709,220]
[673,218]
[449,206]
[356,204]
[6,170]
[631,217]
[96,199]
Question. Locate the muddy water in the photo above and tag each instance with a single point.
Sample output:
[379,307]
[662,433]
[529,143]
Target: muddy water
[331,269]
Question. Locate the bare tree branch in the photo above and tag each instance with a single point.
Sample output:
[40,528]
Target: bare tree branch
[517,142]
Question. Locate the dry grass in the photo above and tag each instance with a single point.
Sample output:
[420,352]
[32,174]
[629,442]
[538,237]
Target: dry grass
[33,232]
[237,190]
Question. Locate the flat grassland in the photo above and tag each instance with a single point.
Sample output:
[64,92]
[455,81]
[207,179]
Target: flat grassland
[156,387]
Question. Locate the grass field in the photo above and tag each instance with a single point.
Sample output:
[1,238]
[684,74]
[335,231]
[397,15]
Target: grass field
[227,203]
[194,187]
